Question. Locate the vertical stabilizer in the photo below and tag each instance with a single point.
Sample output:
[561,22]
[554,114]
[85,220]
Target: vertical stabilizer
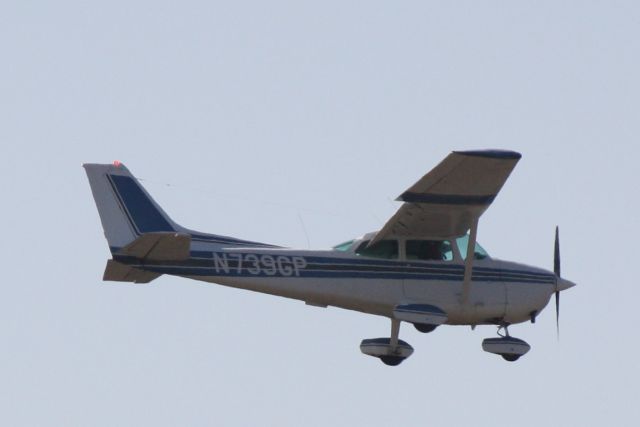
[126,209]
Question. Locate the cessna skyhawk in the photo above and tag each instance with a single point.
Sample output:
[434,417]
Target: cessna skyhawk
[424,267]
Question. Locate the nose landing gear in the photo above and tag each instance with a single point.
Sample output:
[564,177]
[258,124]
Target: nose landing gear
[510,348]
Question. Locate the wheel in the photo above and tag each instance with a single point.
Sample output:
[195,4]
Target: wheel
[425,328]
[392,360]
[510,357]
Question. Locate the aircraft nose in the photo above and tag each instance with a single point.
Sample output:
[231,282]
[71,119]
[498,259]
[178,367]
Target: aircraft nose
[563,284]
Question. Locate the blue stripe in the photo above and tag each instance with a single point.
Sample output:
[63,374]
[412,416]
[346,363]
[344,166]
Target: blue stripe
[309,272]
[144,216]
[229,240]
[492,154]
[446,199]
[202,260]
[423,265]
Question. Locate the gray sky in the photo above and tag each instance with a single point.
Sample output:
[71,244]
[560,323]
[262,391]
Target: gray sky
[258,113]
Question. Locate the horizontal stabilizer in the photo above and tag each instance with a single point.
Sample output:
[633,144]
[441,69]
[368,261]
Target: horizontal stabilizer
[118,272]
[159,246]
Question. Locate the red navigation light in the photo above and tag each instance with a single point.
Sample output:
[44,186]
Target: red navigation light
[117,163]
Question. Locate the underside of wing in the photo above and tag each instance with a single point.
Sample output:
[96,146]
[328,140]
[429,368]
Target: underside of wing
[449,199]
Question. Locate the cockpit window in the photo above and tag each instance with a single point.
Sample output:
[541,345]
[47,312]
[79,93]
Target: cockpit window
[438,250]
[463,243]
[387,249]
[343,247]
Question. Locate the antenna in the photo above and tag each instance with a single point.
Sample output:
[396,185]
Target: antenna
[306,235]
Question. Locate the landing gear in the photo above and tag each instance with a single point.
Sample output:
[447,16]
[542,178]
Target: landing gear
[424,328]
[391,351]
[392,360]
[510,348]
[510,357]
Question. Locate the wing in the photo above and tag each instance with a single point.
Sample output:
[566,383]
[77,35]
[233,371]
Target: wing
[449,199]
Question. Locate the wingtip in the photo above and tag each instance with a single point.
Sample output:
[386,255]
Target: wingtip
[492,154]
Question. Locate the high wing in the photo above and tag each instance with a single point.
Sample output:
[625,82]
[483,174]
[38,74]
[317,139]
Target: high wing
[449,200]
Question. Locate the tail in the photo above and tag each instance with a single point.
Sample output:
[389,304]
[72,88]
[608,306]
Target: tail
[126,210]
[134,225]
[137,228]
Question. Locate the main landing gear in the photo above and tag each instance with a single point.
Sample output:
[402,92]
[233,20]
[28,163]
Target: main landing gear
[391,351]
[510,348]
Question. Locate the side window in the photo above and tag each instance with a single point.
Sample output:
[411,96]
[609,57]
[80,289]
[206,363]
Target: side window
[387,249]
[429,250]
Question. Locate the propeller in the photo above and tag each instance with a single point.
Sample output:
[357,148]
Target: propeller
[556,270]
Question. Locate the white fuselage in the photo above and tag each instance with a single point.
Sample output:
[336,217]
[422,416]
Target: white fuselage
[501,292]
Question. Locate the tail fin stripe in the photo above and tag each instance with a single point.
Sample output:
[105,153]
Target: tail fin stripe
[140,211]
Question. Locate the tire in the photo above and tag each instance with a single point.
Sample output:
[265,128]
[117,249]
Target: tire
[425,328]
[391,360]
[510,357]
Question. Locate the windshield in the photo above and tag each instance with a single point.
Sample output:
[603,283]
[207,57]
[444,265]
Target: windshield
[463,243]
[343,247]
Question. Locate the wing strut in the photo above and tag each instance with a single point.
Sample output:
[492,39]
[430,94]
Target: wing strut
[468,262]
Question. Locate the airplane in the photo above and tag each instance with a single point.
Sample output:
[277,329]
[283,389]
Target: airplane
[423,267]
